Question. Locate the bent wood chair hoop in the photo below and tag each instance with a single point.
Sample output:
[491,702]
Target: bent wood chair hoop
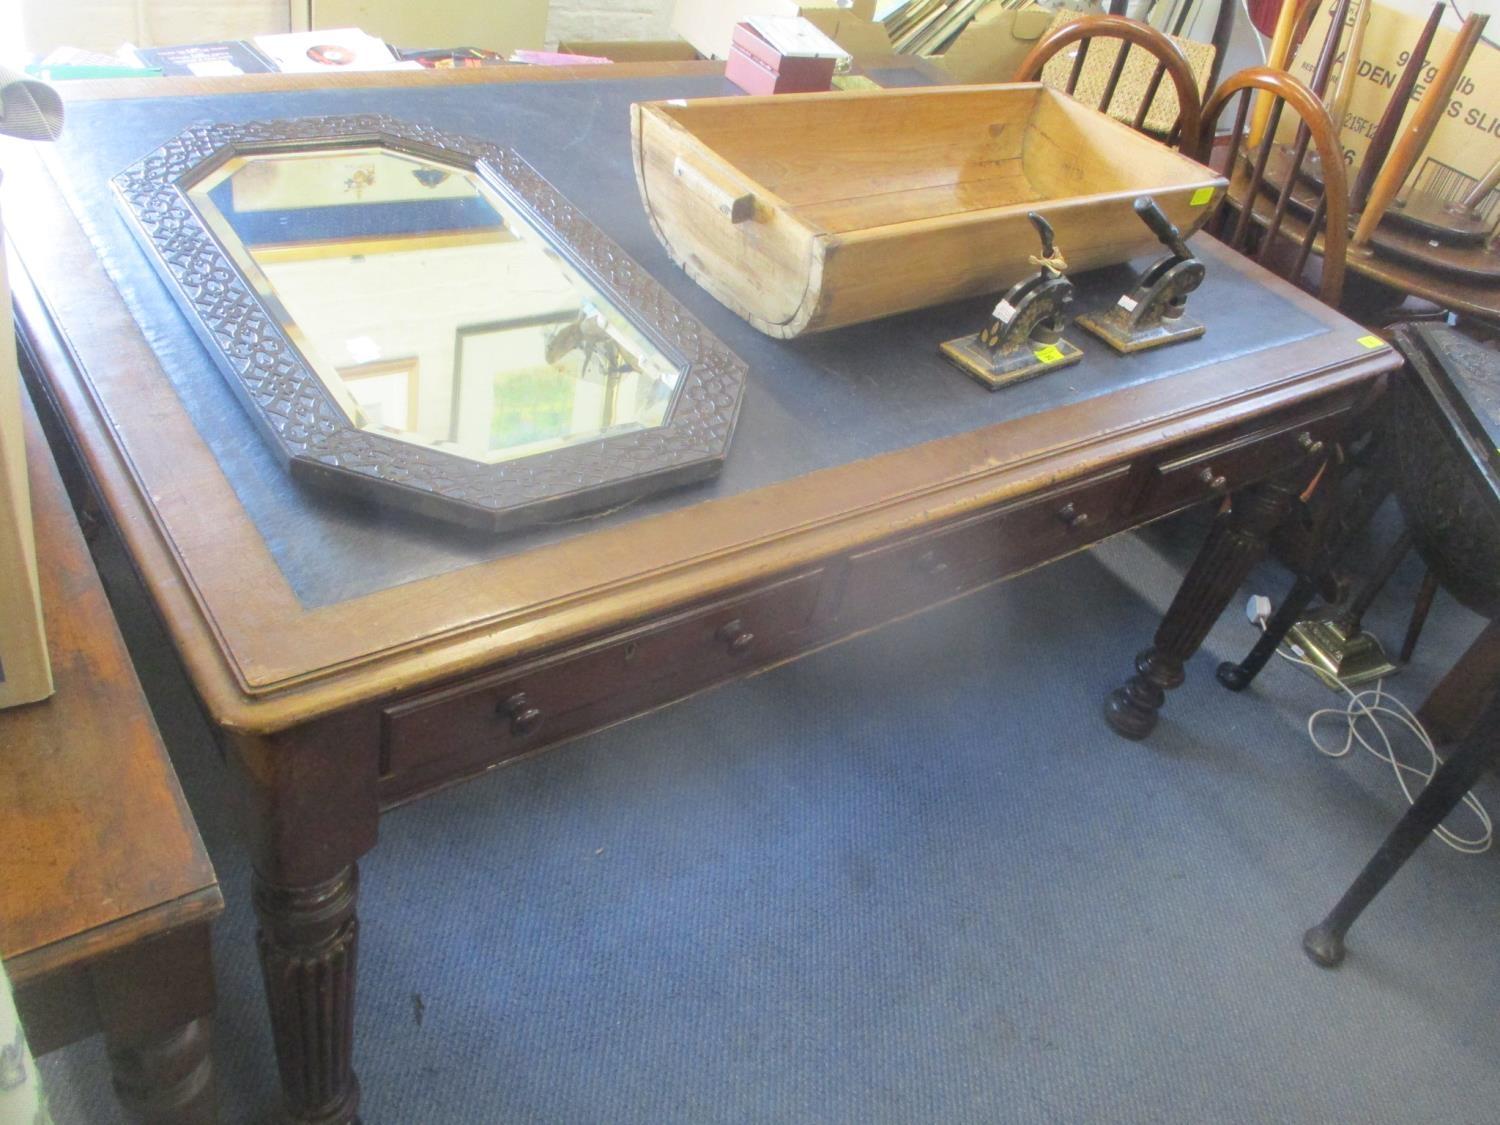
[1330,212]
[1170,61]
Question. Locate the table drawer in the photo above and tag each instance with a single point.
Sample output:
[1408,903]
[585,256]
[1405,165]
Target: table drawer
[1226,465]
[897,578]
[506,714]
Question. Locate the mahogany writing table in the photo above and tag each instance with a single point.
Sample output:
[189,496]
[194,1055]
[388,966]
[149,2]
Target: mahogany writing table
[108,893]
[353,660]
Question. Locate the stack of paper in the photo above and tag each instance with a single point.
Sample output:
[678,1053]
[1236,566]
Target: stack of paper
[344,48]
[299,52]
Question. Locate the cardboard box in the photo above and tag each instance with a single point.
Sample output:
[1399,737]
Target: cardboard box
[1466,141]
[25,674]
[709,24]
[629,50]
[757,67]
[992,47]
[863,38]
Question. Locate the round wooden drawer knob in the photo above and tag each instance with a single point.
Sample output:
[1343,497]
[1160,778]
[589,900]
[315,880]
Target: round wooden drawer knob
[1216,481]
[1072,518]
[737,639]
[524,718]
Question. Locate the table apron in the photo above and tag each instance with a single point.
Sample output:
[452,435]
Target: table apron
[441,735]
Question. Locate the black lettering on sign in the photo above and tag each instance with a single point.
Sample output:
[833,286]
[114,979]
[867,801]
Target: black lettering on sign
[1485,122]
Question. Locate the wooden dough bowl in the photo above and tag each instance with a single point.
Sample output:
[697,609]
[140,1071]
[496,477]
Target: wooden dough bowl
[805,212]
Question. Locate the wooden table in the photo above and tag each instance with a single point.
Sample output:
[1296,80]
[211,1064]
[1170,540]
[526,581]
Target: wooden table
[336,706]
[108,893]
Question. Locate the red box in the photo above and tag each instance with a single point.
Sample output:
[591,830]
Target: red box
[759,68]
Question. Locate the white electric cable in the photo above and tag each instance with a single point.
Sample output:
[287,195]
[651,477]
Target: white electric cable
[1367,707]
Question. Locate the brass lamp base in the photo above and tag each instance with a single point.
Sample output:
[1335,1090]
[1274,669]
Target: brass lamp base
[1355,658]
[996,370]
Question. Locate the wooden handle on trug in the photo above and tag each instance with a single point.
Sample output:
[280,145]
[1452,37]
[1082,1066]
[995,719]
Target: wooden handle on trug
[737,207]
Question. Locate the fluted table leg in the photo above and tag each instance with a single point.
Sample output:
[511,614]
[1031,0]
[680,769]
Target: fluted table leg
[308,938]
[1236,541]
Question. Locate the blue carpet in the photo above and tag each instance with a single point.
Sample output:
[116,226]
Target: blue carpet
[910,879]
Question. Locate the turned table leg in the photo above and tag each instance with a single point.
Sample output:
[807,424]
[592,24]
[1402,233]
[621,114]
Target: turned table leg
[312,810]
[1236,540]
[167,1080]
[155,1005]
[308,938]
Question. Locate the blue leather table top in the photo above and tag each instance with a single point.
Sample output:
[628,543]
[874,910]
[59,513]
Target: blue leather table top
[810,403]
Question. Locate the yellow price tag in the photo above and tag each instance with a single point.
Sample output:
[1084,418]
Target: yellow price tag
[1201,196]
[1371,341]
[1049,354]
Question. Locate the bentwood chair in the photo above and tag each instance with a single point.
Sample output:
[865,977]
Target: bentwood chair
[1129,35]
[1274,215]
[1219,39]
[1273,210]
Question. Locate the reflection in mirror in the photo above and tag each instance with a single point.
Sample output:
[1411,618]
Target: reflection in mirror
[429,306]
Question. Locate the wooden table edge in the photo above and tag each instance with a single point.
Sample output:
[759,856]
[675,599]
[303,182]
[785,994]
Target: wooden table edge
[118,89]
[195,908]
[487,643]
[73,603]
[242,698]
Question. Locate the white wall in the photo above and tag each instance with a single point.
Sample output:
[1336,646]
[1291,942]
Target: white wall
[609,19]
[102,25]
[105,24]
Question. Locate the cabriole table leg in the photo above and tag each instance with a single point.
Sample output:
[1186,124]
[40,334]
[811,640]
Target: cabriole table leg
[1236,541]
[1324,943]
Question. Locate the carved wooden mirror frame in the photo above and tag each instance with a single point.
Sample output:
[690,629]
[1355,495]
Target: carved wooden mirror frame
[313,436]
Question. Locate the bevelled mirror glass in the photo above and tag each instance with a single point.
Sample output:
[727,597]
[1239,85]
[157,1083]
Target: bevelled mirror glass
[423,316]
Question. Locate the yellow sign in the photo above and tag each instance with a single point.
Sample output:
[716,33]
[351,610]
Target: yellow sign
[1201,196]
[1049,354]
[1372,341]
